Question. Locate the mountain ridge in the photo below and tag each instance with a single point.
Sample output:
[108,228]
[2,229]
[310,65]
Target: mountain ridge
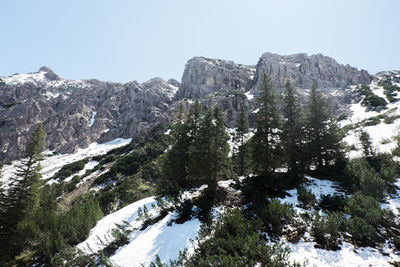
[125,110]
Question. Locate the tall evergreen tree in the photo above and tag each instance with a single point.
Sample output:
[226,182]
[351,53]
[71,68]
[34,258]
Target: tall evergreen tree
[265,143]
[241,152]
[175,163]
[323,134]
[293,130]
[22,199]
[209,153]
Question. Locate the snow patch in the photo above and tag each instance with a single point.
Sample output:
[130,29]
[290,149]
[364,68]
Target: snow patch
[51,95]
[103,228]
[249,95]
[158,239]
[92,119]
[347,256]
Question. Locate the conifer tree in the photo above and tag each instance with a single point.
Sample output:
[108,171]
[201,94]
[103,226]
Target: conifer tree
[241,153]
[176,161]
[292,134]
[22,199]
[209,153]
[366,143]
[323,134]
[265,143]
[181,111]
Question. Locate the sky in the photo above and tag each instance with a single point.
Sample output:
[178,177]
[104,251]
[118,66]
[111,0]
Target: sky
[125,40]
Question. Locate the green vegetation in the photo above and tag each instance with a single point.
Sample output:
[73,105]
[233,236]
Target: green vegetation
[22,202]
[235,241]
[45,222]
[389,89]
[241,153]
[71,168]
[370,100]
[265,142]
[306,197]
[324,148]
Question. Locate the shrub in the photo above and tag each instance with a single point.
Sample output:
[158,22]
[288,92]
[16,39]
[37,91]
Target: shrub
[374,102]
[390,119]
[389,89]
[334,202]
[371,121]
[342,117]
[185,211]
[384,164]
[276,216]
[364,207]
[362,233]
[235,241]
[362,176]
[120,237]
[327,230]
[71,168]
[306,197]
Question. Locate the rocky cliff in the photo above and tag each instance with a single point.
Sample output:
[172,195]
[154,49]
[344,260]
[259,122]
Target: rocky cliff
[203,76]
[77,113]
[303,71]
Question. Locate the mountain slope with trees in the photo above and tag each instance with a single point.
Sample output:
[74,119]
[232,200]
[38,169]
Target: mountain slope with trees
[295,177]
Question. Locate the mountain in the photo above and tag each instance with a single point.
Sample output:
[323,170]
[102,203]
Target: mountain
[303,71]
[103,194]
[77,113]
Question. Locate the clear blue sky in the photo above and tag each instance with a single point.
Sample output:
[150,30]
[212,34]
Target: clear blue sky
[119,40]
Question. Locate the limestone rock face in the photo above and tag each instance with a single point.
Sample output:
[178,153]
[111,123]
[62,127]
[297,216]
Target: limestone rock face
[303,70]
[77,113]
[203,76]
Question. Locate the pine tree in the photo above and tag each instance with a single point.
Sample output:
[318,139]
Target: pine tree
[265,143]
[241,153]
[209,153]
[293,130]
[175,163]
[366,143]
[22,199]
[220,149]
[323,134]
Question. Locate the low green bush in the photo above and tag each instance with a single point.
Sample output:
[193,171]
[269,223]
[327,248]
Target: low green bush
[71,168]
[306,197]
[335,202]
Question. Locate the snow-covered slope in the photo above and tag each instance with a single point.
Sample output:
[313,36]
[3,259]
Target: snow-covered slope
[383,133]
[53,163]
[162,239]
[166,239]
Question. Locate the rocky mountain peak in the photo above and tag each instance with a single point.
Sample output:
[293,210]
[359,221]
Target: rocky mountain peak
[203,76]
[77,113]
[50,74]
[303,71]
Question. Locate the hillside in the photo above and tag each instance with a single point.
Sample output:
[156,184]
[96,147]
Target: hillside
[108,189]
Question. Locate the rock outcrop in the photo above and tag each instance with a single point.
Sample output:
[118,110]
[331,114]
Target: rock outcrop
[303,71]
[203,76]
[77,113]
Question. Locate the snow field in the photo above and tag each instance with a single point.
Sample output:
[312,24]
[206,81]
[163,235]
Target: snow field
[52,164]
